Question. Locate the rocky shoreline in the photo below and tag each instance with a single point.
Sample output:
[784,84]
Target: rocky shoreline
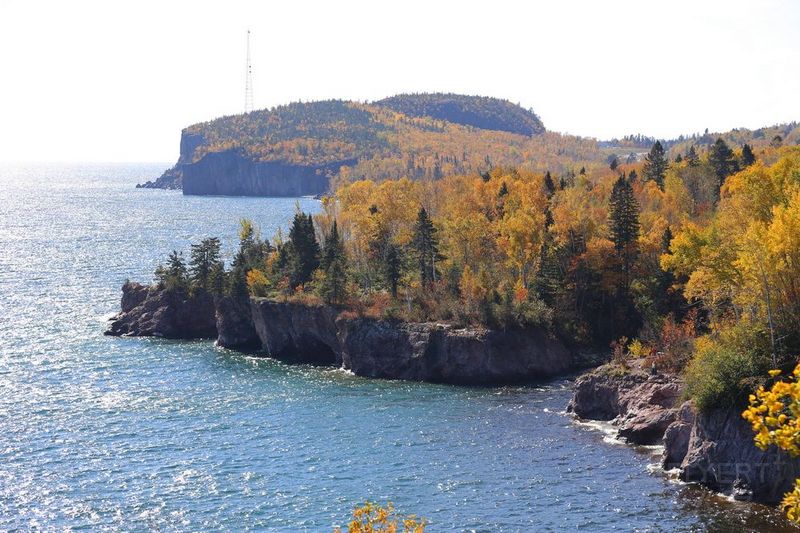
[714,449]
[322,335]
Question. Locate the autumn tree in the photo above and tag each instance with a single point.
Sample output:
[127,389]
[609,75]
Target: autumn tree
[656,164]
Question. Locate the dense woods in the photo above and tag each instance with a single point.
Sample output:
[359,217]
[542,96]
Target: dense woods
[688,261]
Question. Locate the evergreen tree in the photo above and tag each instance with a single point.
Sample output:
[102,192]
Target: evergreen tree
[173,276]
[549,185]
[624,224]
[748,157]
[655,165]
[251,254]
[334,264]
[204,259]
[692,159]
[393,268]
[425,244]
[302,249]
[721,159]
[678,159]
[614,163]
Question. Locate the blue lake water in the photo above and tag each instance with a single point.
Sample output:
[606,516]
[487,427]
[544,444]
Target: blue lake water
[100,433]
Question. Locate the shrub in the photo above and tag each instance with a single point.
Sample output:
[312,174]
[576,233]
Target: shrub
[373,518]
[729,366]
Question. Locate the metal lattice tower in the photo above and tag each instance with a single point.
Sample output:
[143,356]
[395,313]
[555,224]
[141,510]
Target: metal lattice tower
[248,85]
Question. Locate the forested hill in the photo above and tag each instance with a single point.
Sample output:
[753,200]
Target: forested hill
[311,147]
[424,136]
[478,111]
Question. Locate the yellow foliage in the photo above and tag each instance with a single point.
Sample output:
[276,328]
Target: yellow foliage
[373,518]
[774,415]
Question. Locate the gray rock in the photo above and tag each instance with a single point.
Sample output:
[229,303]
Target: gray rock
[148,311]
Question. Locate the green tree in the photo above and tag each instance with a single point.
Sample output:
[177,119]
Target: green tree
[425,244]
[302,249]
[549,184]
[722,161]
[334,265]
[624,226]
[655,165]
[692,159]
[392,267]
[204,259]
[250,256]
[173,276]
[748,157]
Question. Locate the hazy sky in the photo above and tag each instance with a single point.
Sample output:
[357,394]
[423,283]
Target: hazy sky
[112,81]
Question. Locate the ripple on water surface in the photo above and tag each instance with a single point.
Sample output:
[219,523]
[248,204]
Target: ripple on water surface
[129,434]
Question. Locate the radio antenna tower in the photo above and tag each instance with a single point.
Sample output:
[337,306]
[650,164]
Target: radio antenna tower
[248,85]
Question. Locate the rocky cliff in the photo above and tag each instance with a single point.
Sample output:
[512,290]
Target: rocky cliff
[712,448]
[412,351]
[321,335]
[148,311]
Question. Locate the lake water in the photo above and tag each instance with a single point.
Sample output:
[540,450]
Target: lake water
[135,434]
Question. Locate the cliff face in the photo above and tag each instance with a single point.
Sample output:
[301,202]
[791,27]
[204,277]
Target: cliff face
[713,448]
[148,311]
[232,174]
[320,335]
[411,351]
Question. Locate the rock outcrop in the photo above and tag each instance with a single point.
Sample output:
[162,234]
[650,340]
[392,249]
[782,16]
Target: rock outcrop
[413,351]
[714,448]
[321,335]
[641,405]
[234,324]
[148,311]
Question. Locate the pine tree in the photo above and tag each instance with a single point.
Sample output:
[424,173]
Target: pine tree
[721,159]
[393,268]
[678,159]
[655,165]
[748,157]
[334,264]
[302,250]
[549,185]
[204,259]
[624,225]
[426,246]
[614,163]
[692,159]
[174,276]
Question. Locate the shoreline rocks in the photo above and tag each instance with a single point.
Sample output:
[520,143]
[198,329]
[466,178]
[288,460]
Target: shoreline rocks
[322,335]
[714,449]
[148,311]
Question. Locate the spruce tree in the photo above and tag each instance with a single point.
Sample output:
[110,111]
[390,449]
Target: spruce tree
[624,225]
[302,250]
[655,165]
[173,276]
[204,259]
[692,159]
[748,157]
[334,264]
[426,246]
[393,268]
[549,185]
[721,159]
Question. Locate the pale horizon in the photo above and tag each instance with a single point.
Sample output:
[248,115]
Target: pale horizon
[91,82]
